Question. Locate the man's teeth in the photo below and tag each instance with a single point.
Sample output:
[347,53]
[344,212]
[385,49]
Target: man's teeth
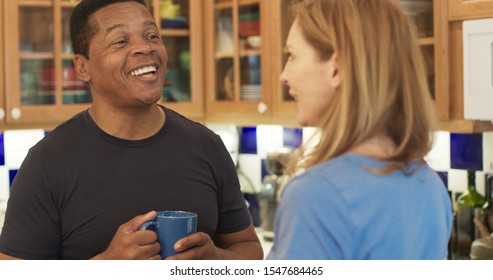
[144,70]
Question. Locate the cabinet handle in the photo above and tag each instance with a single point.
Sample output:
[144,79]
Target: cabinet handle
[262,107]
[15,113]
[2,113]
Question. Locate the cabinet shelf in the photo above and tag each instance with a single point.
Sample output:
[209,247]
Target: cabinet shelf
[222,55]
[228,4]
[36,55]
[172,32]
[36,3]
[245,53]
[426,41]
[69,4]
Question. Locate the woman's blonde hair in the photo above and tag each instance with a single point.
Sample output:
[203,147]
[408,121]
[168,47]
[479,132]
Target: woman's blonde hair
[384,87]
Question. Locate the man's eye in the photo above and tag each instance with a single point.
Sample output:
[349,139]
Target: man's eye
[119,42]
[153,37]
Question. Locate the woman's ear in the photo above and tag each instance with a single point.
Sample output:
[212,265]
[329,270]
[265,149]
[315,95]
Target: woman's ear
[82,67]
[335,73]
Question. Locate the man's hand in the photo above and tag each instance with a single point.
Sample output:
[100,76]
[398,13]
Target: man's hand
[241,245]
[130,243]
[197,246]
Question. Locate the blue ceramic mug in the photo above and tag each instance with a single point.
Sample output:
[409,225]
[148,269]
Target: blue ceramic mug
[170,227]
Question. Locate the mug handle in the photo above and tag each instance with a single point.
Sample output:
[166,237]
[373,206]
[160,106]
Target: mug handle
[148,225]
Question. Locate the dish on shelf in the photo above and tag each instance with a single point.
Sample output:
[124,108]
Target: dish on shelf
[228,87]
[175,22]
[254,41]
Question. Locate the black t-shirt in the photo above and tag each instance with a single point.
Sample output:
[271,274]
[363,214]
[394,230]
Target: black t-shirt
[79,184]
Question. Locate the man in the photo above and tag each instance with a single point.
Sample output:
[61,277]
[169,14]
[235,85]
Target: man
[86,188]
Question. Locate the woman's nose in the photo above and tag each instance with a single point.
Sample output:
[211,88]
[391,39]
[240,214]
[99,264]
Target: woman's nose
[283,79]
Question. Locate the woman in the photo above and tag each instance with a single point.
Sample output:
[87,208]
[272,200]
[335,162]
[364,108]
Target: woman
[365,192]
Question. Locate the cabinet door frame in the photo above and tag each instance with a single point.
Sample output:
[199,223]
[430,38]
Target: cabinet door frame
[34,114]
[469,9]
[281,108]
[195,108]
[237,111]
[442,63]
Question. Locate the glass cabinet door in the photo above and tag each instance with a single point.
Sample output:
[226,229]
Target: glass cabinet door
[37,65]
[74,91]
[235,60]
[41,83]
[421,15]
[428,17]
[180,23]
[237,50]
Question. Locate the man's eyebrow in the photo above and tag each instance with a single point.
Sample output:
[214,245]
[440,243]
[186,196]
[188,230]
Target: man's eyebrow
[121,25]
[150,23]
[116,26]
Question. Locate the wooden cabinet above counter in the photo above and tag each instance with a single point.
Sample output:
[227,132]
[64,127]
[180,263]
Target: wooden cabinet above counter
[225,58]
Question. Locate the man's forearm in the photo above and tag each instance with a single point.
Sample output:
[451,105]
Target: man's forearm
[246,250]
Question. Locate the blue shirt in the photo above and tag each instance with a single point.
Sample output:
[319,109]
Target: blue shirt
[341,210]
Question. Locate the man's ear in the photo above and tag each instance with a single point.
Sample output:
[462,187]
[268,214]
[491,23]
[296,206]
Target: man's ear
[335,73]
[82,67]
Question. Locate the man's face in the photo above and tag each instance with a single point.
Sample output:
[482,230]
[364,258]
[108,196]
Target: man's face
[127,64]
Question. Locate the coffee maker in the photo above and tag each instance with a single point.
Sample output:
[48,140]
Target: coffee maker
[270,189]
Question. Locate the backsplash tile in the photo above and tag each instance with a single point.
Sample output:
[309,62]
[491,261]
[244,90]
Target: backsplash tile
[444,176]
[292,137]
[439,156]
[4,187]
[18,143]
[466,151]
[488,152]
[2,150]
[248,140]
[270,138]
[250,166]
[12,173]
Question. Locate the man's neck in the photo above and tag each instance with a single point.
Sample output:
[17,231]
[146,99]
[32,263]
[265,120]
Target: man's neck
[130,124]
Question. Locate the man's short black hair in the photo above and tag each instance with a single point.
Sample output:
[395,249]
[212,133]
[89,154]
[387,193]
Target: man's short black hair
[81,29]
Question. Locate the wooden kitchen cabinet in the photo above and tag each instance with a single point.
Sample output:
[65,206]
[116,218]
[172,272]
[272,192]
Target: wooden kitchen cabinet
[470,9]
[41,85]
[225,68]
[460,10]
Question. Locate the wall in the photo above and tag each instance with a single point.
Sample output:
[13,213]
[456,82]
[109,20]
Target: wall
[451,155]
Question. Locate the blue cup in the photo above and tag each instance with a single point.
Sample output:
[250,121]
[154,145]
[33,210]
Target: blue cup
[170,227]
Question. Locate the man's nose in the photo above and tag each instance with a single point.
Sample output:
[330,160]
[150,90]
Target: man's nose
[143,47]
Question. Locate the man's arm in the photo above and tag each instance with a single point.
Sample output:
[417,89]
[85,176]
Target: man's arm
[241,245]
[4,257]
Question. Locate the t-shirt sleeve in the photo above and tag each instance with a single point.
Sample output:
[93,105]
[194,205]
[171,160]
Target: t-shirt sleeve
[31,227]
[233,213]
[312,222]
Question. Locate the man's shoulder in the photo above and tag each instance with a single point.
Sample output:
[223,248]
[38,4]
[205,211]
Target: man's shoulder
[178,120]
[66,131]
